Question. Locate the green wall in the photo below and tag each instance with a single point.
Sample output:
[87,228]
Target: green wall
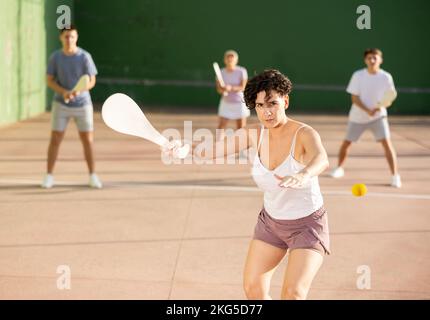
[22,36]
[313,42]
[160,51]
[26,32]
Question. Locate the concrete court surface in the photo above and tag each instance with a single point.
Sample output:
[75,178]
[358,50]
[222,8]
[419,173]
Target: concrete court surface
[182,231]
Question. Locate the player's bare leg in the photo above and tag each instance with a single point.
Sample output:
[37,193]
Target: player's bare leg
[260,265]
[338,172]
[222,124]
[343,152]
[87,139]
[390,154]
[302,267]
[54,147]
[87,142]
[241,123]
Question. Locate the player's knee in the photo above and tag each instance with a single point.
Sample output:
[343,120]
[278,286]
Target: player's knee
[253,289]
[386,143]
[294,292]
[87,138]
[56,139]
[346,144]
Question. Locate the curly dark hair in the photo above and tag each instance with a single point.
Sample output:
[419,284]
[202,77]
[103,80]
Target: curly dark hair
[266,81]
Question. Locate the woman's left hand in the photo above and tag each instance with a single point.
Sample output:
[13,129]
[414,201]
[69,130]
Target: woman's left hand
[296,181]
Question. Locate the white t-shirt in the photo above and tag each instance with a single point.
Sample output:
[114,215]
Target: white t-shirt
[370,88]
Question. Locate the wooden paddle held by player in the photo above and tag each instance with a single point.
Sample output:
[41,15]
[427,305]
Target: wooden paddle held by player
[122,114]
[81,85]
[388,98]
[218,75]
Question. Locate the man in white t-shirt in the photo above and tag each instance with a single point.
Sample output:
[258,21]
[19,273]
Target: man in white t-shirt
[367,87]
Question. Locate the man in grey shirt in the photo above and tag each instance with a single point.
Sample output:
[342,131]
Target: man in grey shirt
[65,67]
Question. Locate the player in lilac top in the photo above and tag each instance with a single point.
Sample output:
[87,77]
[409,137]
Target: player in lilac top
[232,105]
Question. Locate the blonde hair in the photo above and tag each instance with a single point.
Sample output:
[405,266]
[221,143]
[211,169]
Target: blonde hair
[231,52]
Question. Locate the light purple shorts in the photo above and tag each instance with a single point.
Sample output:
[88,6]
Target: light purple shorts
[310,232]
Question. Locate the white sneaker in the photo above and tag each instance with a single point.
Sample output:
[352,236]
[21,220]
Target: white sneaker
[337,173]
[95,181]
[396,182]
[48,181]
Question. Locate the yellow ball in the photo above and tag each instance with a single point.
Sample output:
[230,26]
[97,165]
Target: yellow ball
[359,189]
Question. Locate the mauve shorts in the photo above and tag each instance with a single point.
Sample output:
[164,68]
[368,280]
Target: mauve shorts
[310,232]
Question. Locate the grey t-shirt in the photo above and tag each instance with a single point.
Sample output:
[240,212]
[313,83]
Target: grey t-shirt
[67,70]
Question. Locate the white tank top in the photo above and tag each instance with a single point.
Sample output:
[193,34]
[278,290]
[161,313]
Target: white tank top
[286,203]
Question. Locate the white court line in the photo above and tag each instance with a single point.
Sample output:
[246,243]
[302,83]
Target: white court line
[218,188]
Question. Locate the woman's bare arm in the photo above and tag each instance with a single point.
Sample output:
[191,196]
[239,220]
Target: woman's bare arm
[233,144]
[314,156]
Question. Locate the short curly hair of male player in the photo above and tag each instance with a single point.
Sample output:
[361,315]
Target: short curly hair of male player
[266,81]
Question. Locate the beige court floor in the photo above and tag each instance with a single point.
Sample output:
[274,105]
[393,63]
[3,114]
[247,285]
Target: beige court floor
[181,231]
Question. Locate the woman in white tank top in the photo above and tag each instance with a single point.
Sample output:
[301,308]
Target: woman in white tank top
[288,159]
[281,202]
